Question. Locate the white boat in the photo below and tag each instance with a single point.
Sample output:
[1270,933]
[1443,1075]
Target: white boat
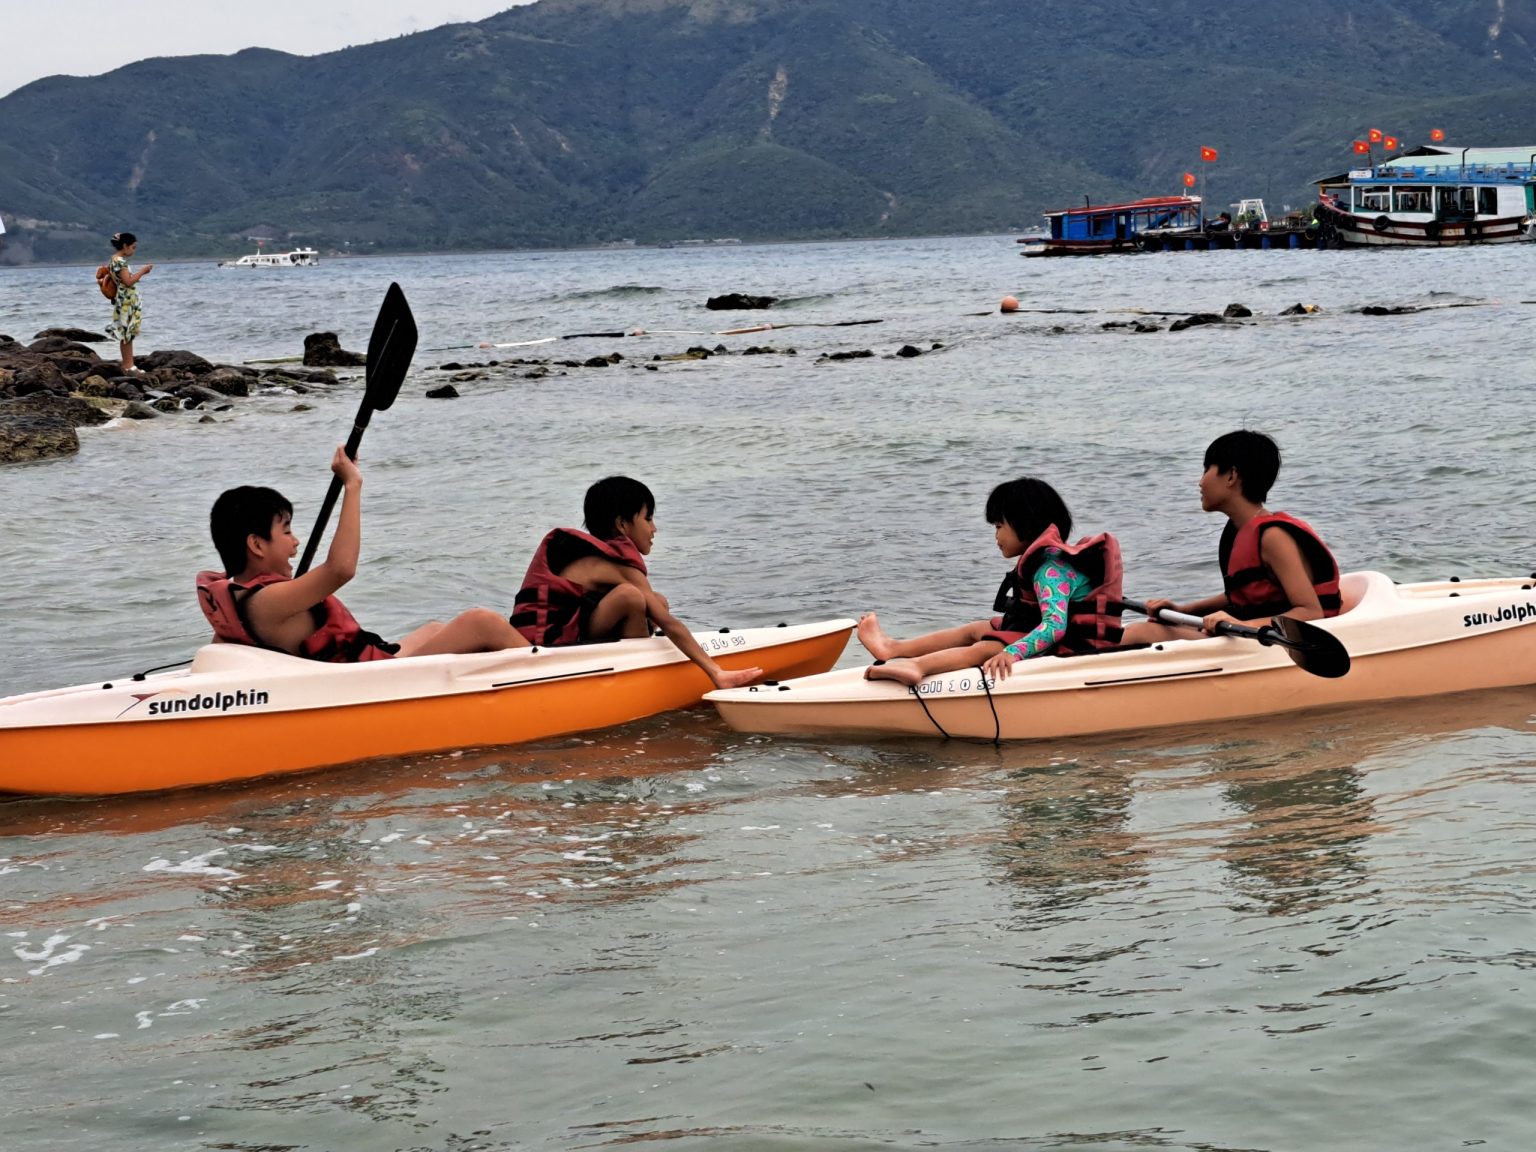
[298,258]
[1404,641]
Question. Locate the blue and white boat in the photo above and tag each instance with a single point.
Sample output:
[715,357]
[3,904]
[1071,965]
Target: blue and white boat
[1098,228]
[1433,197]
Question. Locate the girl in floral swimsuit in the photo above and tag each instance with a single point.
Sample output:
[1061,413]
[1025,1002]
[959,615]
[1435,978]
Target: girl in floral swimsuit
[1031,522]
[126,313]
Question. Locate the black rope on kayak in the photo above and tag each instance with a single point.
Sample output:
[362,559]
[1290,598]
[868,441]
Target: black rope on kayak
[997,723]
[162,668]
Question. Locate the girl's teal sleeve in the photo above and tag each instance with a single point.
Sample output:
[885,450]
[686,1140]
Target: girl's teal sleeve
[1057,583]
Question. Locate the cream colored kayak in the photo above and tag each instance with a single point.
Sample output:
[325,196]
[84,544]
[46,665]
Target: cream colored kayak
[241,712]
[1405,640]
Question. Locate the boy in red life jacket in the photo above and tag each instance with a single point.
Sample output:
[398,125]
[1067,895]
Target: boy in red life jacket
[1059,599]
[590,587]
[256,599]
[1266,573]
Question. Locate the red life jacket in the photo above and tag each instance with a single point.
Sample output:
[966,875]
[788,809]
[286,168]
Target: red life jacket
[549,610]
[1093,620]
[337,639]
[1252,589]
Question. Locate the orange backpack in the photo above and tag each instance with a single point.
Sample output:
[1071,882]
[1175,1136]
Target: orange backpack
[106,282]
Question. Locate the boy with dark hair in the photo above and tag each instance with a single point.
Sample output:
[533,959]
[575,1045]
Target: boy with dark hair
[1266,573]
[590,587]
[253,532]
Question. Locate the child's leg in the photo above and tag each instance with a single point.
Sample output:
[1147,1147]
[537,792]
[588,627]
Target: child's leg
[478,630]
[912,671]
[884,647]
[125,353]
[1151,632]
[621,613]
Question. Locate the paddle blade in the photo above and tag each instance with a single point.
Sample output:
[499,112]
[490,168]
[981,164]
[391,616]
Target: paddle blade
[390,349]
[1312,649]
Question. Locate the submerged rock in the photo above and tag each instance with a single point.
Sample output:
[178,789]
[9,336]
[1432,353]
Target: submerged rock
[77,411]
[734,301]
[35,436]
[443,392]
[1237,311]
[1195,321]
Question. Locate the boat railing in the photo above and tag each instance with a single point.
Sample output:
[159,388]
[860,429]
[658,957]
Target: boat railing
[1456,175]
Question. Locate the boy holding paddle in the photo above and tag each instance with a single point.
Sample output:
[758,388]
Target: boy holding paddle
[1266,573]
[257,600]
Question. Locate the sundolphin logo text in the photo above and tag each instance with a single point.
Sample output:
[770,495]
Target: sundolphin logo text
[1519,613]
[178,704]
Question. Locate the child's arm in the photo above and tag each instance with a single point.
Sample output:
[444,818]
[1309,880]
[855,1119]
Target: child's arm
[675,630]
[128,279]
[279,602]
[1056,582]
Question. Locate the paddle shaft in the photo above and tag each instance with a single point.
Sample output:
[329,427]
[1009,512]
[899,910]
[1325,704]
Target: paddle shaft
[354,441]
[1223,628]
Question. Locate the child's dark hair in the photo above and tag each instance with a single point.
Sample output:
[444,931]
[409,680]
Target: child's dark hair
[1255,456]
[242,512]
[612,499]
[121,240]
[1028,506]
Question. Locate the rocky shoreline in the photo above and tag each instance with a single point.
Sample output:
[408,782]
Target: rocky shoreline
[57,383]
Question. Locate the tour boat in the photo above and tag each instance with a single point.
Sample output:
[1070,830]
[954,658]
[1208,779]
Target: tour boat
[1098,228]
[1433,197]
[1404,640]
[239,712]
[298,258]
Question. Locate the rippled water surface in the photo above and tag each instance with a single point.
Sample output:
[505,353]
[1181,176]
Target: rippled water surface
[1312,932]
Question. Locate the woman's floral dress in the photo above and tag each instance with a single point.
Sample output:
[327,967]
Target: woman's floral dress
[126,314]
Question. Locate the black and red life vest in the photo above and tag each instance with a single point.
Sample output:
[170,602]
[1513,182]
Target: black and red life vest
[1093,620]
[1252,589]
[337,639]
[549,610]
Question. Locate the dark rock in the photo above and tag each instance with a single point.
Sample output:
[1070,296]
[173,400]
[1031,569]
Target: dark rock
[451,366]
[80,413]
[859,355]
[465,377]
[175,360]
[77,366]
[34,436]
[1195,321]
[906,351]
[138,410]
[228,381]
[4,339]
[94,386]
[323,349]
[698,352]
[1300,310]
[1236,311]
[126,388]
[733,301]
[207,419]
[568,363]
[1385,310]
[536,373]
[302,407]
[41,375]
[80,335]
[596,362]
[166,404]
[443,392]
[49,344]
[1145,326]
[935,348]
[196,395]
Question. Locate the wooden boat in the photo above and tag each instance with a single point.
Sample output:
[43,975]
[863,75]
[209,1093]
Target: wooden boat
[1100,228]
[1433,198]
[1404,640]
[240,712]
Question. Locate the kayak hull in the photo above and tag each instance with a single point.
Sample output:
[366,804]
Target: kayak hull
[1404,640]
[240,713]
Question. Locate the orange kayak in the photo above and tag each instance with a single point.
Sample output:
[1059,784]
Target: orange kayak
[240,712]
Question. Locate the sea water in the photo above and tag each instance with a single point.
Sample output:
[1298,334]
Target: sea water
[1301,933]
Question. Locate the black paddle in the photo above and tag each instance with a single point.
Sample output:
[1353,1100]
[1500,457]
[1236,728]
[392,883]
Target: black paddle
[390,349]
[1310,648]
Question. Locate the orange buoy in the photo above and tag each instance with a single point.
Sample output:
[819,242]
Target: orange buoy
[1009,304]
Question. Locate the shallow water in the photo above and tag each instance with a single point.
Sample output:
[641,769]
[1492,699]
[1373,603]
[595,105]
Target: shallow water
[1299,934]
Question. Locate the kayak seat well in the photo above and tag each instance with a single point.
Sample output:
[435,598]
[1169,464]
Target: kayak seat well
[244,658]
[1356,586]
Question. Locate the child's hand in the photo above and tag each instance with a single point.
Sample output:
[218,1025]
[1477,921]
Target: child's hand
[1000,667]
[1156,606]
[1215,618]
[345,467]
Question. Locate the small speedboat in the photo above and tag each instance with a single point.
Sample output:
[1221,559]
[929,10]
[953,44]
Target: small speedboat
[239,712]
[1403,640]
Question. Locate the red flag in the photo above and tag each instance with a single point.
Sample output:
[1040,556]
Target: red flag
[1391,143]
[1189,179]
[1437,134]
[1207,154]
[1374,135]
[1362,147]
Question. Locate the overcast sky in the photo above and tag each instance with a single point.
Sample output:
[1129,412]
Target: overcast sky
[87,37]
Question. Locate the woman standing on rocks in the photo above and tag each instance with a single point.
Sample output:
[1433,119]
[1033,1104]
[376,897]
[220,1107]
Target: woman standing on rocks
[126,314]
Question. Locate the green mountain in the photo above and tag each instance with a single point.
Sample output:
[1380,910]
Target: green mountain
[582,121]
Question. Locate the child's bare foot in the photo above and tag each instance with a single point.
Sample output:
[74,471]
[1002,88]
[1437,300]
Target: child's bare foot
[874,639]
[903,671]
[739,679]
